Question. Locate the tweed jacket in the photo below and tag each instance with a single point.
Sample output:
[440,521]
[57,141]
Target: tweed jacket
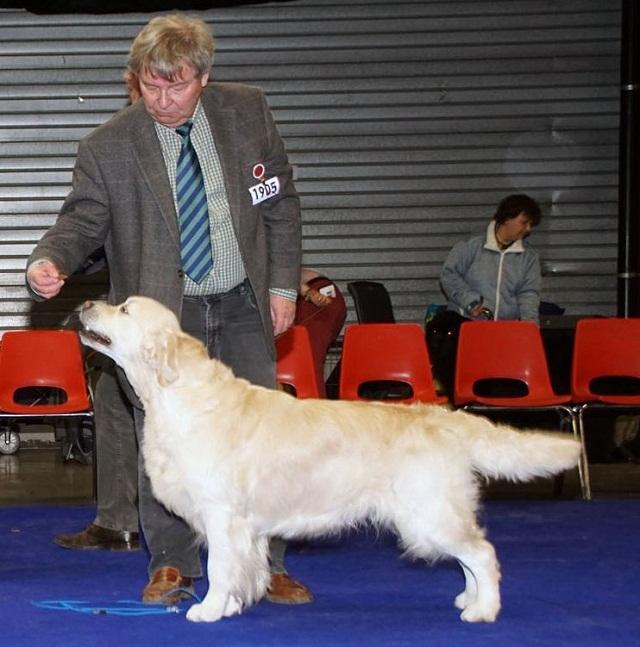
[121,199]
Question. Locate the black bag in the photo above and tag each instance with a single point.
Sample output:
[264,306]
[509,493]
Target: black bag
[442,340]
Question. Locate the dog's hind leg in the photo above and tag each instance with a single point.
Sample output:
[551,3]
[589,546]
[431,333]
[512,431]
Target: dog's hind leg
[470,592]
[454,534]
[478,560]
[482,574]
[236,567]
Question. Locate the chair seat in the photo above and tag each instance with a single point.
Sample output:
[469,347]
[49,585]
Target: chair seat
[620,400]
[524,402]
[604,348]
[513,351]
[30,411]
[295,366]
[420,396]
[417,397]
[387,352]
[43,359]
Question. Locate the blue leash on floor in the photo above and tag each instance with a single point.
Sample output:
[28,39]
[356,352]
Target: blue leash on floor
[121,607]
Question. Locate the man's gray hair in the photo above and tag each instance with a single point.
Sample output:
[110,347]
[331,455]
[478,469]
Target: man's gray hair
[166,43]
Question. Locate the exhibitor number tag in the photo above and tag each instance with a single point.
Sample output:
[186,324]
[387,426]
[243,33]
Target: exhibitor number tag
[264,190]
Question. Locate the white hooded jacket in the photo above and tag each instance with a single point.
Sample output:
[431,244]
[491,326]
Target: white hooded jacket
[506,281]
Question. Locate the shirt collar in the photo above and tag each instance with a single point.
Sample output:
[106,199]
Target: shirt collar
[492,244]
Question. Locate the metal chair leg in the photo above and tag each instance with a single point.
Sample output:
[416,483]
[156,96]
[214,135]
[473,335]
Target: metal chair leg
[583,464]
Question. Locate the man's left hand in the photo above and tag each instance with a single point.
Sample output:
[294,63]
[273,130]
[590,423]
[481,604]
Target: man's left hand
[283,312]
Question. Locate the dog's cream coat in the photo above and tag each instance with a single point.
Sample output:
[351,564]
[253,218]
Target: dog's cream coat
[241,463]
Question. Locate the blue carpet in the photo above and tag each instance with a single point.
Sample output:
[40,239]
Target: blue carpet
[570,577]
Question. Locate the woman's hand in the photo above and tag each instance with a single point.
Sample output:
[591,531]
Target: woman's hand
[317,298]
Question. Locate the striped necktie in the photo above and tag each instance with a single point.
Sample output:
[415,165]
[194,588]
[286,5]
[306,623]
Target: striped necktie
[193,215]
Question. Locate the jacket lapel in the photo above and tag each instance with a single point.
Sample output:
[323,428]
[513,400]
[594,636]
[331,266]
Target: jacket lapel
[223,127]
[151,162]
[149,155]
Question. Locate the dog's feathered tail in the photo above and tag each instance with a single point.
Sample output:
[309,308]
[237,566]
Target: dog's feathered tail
[500,451]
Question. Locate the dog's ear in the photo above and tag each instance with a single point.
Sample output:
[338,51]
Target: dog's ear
[160,352]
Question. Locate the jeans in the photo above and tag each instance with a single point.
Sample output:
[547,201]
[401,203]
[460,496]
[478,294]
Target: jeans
[116,455]
[229,325]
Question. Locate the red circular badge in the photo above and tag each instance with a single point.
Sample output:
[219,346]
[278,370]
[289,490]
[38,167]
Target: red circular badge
[258,171]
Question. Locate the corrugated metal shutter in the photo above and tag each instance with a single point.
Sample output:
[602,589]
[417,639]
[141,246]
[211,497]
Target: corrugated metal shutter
[406,121]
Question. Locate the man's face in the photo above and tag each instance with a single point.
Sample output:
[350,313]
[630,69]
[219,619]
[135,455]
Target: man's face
[171,103]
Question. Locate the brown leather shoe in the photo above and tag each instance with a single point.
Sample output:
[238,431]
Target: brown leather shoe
[165,587]
[95,537]
[283,589]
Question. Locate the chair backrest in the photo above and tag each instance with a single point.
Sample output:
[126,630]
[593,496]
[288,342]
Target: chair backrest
[372,302]
[503,350]
[38,359]
[387,352]
[295,366]
[606,350]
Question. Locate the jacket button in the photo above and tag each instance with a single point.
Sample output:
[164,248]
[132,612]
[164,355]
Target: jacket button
[181,274]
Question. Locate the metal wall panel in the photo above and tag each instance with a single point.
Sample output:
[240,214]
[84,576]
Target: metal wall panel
[406,122]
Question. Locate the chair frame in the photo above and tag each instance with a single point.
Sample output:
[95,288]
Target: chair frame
[589,338]
[548,400]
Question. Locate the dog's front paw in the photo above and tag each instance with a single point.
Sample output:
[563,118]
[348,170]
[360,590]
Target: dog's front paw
[203,613]
[480,613]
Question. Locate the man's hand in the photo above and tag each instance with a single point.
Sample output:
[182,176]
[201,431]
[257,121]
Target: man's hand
[283,312]
[45,279]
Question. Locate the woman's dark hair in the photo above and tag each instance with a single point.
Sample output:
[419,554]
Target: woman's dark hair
[515,204]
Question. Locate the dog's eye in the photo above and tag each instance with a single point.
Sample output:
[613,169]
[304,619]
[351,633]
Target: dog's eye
[123,310]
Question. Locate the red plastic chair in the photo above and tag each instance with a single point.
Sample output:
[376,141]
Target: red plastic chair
[37,359]
[513,351]
[387,352]
[605,349]
[42,375]
[503,350]
[295,367]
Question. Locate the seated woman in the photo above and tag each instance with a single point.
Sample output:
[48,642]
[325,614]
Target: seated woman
[321,309]
[495,275]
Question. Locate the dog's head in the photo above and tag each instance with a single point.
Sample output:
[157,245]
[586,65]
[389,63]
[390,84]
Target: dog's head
[138,334]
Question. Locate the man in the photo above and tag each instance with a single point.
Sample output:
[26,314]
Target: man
[116,522]
[190,192]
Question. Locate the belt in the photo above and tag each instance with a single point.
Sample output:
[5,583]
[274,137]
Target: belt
[218,295]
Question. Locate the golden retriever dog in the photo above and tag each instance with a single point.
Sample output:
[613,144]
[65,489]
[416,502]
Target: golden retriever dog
[241,463]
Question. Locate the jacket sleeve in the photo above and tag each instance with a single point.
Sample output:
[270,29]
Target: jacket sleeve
[453,277]
[528,296]
[83,220]
[281,214]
